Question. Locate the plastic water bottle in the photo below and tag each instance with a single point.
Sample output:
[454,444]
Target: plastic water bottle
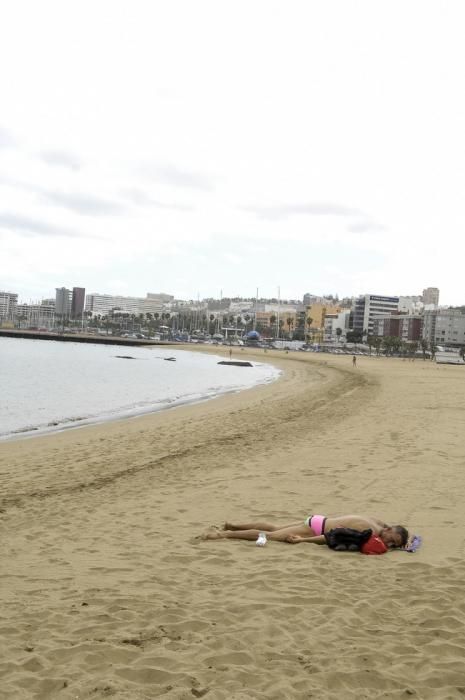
[261,539]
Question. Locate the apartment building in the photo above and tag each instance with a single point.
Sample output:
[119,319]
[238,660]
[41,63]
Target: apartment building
[367,306]
[316,314]
[39,315]
[8,304]
[63,301]
[287,318]
[78,302]
[102,304]
[444,327]
[410,304]
[333,322]
[430,296]
[407,327]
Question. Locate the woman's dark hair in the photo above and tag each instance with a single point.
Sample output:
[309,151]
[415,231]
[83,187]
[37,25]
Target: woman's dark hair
[403,532]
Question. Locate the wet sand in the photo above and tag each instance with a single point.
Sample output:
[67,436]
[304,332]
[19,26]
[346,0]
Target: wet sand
[106,592]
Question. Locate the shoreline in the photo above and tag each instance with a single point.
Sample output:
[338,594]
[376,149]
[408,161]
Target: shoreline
[135,412]
[107,591]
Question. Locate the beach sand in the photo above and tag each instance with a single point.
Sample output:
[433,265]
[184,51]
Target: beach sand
[107,593]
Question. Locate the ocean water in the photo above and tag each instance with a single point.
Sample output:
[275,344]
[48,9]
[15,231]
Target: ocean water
[48,385]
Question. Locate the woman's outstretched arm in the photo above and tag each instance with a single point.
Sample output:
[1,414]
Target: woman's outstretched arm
[296,539]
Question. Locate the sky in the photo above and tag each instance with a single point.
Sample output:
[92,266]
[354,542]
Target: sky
[215,148]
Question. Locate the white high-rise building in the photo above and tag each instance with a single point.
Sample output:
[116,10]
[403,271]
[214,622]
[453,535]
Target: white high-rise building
[38,315]
[63,301]
[8,304]
[102,304]
[410,304]
[367,307]
[431,296]
[444,327]
[336,321]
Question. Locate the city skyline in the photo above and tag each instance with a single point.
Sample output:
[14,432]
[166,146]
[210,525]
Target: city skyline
[156,154]
[429,295]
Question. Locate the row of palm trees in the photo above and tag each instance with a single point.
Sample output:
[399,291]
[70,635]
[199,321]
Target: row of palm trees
[189,321]
[392,345]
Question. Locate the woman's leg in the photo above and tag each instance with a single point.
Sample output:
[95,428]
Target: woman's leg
[262,526]
[251,534]
[283,533]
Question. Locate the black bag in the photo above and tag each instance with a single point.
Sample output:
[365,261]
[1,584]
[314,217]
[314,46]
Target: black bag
[344,539]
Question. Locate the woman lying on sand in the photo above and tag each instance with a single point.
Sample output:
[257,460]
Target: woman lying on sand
[312,530]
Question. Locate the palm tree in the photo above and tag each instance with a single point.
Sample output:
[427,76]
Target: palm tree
[387,344]
[370,342]
[21,317]
[290,324]
[272,320]
[396,344]
[377,342]
[308,328]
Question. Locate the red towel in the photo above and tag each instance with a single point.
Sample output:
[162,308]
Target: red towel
[374,545]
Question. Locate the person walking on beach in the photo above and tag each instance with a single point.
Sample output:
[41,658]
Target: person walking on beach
[312,530]
[354,361]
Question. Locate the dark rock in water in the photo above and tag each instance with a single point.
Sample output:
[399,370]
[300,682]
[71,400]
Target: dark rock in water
[170,359]
[236,363]
[125,357]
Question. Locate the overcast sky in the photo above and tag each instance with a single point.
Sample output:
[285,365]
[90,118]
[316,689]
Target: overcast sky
[193,147]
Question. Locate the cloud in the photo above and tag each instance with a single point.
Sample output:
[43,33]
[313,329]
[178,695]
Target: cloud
[11,182]
[85,205]
[232,259]
[60,158]
[284,211]
[32,227]
[172,175]
[141,199]
[365,226]
[7,140]
[361,222]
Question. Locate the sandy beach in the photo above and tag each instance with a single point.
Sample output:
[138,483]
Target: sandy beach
[107,593]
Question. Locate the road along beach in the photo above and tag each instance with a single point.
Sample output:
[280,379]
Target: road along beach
[107,592]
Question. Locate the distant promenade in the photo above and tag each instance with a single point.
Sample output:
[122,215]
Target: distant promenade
[79,337]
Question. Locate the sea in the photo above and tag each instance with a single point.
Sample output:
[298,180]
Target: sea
[48,386]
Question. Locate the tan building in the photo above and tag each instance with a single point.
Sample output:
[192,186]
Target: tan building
[287,319]
[317,314]
[264,318]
